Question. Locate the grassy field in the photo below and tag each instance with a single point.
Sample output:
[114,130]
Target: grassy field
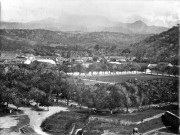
[23,120]
[120,78]
[121,124]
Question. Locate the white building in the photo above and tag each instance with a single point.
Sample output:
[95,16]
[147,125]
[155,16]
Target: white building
[47,61]
[27,62]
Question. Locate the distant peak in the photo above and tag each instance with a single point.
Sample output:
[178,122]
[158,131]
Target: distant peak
[139,22]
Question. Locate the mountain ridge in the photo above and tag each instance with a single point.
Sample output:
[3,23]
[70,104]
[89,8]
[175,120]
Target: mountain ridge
[25,38]
[85,24]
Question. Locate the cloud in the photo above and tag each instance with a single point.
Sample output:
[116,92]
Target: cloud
[153,12]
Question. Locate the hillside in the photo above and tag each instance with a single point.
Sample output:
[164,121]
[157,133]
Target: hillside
[40,37]
[162,47]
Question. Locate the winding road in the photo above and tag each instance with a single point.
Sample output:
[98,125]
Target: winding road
[36,119]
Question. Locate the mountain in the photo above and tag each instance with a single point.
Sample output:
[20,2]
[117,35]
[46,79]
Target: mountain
[138,24]
[161,47]
[87,23]
[137,27]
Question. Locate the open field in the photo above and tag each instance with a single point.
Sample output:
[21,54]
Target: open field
[120,78]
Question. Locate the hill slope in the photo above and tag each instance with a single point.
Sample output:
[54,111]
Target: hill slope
[159,48]
[56,38]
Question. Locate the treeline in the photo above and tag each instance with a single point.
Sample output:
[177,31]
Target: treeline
[103,65]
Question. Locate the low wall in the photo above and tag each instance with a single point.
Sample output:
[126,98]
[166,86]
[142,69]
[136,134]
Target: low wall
[170,119]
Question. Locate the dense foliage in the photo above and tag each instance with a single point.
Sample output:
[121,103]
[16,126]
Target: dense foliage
[40,81]
[22,83]
[133,93]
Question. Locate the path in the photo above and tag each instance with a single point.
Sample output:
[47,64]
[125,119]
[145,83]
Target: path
[36,119]
[150,118]
[152,132]
[98,81]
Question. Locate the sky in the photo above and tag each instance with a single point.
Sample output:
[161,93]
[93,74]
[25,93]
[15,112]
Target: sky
[153,12]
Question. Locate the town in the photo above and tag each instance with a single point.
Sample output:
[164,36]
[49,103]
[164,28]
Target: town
[89,67]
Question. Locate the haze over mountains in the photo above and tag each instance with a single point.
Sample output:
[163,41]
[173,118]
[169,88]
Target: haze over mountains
[88,23]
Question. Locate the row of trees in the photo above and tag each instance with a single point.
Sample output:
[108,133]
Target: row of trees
[129,66]
[100,66]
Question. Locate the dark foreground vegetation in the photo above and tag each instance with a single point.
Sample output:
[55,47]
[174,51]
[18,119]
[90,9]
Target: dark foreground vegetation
[96,124]
[44,84]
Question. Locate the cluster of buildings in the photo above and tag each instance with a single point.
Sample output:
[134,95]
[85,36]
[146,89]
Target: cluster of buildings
[14,58]
[119,58]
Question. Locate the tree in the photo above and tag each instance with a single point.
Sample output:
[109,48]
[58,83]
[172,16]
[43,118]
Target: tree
[64,68]
[126,96]
[46,101]
[100,96]
[19,101]
[141,91]
[7,94]
[92,68]
[68,54]
[37,95]
[79,90]
[151,94]
[79,68]
[115,97]
[96,47]
[68,89]
[113,48]
[95,58]
[88,97]
[126,51]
